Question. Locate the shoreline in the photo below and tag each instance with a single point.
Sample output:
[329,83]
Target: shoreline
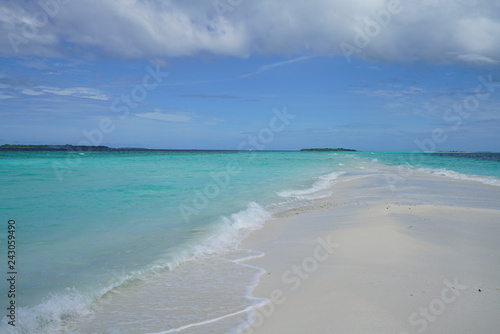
[355,208]
[372,259]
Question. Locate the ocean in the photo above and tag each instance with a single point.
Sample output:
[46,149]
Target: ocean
[148,241]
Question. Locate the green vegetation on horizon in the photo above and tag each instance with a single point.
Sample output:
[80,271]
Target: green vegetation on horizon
[51,146]
[328,149]
[24,146]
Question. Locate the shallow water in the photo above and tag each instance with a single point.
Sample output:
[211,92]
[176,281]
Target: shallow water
[127,242]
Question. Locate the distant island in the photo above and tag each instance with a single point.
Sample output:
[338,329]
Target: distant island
[9,147]
[68,147]
[102,148]
[327,150]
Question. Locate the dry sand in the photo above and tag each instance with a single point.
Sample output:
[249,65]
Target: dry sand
[422,257]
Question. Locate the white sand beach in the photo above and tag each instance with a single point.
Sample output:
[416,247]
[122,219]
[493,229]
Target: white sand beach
[422,257]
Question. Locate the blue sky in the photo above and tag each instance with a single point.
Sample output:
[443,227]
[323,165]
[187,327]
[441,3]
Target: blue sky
[423,76]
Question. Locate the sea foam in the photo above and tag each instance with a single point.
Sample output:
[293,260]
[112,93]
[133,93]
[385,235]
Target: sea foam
[52,316]
[60,312]
[458,176]
[315,191]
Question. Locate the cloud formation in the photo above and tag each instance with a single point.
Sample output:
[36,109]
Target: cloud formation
[16,89]
[440,31]
[81,92]
[159,116]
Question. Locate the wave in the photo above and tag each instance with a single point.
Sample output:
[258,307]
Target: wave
[315,191]
[459,176]
[233,230]
[52,316]
[60,312]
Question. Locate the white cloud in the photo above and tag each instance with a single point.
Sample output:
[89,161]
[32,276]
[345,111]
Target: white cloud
[81,92]
[18,87]
[382,93]
[31,92]
[6,96]
[159,116]
[388,93]
[477,59]
[431,30]
[415,90]
[274,65]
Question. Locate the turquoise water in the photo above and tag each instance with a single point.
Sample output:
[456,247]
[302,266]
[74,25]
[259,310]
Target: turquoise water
[480,167]
[93,223]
